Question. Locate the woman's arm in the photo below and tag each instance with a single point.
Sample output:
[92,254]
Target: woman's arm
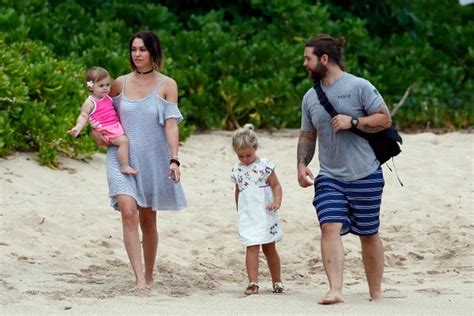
[170,91]
[277,192]
[116,88]
[172,130]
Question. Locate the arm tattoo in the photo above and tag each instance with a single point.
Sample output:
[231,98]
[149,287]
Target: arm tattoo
[384,110]
[374,129]
[371,129]
[306,147]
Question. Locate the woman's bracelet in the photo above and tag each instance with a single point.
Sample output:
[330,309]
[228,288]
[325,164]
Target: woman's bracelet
[175,161]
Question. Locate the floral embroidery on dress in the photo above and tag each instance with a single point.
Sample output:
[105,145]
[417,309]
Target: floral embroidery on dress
[274,229]
[255,175]
[256,225]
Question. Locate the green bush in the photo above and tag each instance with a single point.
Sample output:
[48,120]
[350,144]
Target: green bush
[40,98]
[235,62]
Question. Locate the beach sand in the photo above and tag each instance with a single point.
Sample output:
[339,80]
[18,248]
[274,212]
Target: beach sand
[61,248]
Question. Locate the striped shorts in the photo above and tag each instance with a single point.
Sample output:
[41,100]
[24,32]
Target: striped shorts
[355,204]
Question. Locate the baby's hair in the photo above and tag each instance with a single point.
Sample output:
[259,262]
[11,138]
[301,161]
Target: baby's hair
[244,137]
[95,74]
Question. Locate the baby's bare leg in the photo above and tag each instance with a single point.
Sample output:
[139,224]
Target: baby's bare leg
[122,155]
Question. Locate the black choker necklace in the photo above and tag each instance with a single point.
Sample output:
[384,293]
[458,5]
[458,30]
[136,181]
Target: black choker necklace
[145,72]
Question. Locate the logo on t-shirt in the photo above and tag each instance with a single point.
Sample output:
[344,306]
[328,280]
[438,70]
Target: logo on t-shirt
[344,96]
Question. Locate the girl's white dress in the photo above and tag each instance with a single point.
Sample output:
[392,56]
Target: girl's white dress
[256,225]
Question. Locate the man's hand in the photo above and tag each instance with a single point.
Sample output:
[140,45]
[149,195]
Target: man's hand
[305,176]
[341,122]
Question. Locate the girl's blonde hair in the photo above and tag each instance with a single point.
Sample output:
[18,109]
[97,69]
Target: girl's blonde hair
[95,74]
[244,137]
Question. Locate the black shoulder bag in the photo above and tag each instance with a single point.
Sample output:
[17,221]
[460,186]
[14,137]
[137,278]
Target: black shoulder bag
[384,143]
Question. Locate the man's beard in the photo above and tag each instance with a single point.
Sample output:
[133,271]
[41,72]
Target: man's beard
[319,72]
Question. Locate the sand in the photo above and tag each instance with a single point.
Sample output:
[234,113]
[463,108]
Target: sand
[61,247]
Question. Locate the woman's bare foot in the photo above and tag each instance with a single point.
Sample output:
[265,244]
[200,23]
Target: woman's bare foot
[332,297]
[128,170]
[139,289]
[149,283]
[252,288]
[140,284]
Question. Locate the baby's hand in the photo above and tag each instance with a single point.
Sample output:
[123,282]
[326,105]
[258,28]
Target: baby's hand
[74,131]
[273,207]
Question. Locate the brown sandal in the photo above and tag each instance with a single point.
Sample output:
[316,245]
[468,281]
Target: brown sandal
[252,288]
[278,287]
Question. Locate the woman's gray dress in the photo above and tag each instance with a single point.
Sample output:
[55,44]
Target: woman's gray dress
[143,122]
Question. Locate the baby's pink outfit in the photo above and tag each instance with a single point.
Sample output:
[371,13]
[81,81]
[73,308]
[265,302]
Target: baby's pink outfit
[104,113]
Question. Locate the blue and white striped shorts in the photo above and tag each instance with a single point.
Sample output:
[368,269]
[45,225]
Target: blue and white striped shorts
[355,204]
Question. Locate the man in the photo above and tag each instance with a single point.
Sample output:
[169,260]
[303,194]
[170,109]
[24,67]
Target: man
[348,188]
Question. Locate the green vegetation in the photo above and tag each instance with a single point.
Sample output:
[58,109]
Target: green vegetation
[234,63]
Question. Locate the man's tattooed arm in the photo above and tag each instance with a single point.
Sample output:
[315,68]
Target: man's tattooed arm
[376,122]
[306,147]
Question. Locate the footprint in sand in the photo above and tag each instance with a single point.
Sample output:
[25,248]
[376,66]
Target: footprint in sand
[416,256]
[393,293]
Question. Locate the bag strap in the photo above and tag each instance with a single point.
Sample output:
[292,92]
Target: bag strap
[323,99]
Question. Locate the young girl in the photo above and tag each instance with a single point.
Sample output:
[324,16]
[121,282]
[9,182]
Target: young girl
[258,197]
[98,108]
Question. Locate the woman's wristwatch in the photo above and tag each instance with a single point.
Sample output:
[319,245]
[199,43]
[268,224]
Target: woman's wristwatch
[175,160]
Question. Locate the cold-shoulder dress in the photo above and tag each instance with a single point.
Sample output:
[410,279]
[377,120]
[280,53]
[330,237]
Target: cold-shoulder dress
[143,122]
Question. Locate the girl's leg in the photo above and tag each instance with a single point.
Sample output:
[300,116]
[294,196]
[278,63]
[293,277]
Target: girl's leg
[122,154]
[129,213]
[251,262]
[150,242]
[273,260]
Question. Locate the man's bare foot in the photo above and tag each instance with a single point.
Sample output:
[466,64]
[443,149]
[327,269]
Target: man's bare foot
[332,297]
[128,170]
[376,297]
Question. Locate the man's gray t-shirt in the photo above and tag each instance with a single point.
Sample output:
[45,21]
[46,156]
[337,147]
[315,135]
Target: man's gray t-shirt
[344,155]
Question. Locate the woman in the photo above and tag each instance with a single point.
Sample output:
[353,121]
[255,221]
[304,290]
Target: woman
[146,102]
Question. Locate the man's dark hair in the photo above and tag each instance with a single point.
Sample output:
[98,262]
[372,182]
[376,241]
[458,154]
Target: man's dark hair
[325,44]
[152,44]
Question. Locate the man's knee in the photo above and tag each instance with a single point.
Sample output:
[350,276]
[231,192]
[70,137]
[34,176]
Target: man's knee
[328,229]
[370,240]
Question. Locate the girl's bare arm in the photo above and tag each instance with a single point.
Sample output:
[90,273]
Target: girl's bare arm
[277,192]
